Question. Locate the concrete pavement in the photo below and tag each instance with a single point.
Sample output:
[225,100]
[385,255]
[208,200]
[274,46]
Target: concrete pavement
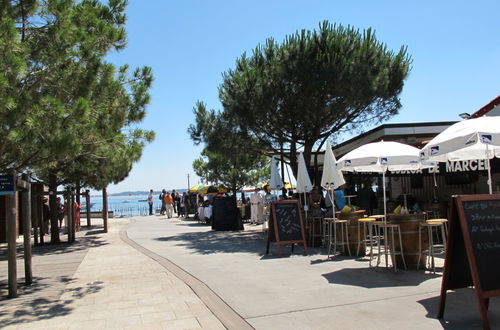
[103,283]
[306,292]
[153,272]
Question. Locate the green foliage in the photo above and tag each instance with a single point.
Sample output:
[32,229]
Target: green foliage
[312,86]
[63,109]
[230,158]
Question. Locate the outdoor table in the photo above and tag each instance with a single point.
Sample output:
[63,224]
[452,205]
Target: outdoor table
[352,231]
[409,225]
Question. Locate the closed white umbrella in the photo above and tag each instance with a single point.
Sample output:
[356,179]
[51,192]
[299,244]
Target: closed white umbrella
[303,181]
[304,184]
[332,175]
[477,138]
[276,181]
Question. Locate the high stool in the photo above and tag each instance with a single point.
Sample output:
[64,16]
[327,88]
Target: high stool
[332,224]
[367,224]
[444,229]
[391,230]
[429,225]
[312,226]
[377,232]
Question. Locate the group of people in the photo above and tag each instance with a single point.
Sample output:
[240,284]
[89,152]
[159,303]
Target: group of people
[317,201]
[61,213]
[171,203]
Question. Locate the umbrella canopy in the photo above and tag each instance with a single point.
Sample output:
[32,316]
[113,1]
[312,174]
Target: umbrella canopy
[196,188]
[380,157]
[211,190]
[303,181]
[332,176]
[276,181]
[477,138]
[287,185]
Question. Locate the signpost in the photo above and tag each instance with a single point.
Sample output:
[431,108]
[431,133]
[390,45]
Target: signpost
[7,184]
[473,250]
[286,225]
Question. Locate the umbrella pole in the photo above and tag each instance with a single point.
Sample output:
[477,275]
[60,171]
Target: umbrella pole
[385,220]
[489,171]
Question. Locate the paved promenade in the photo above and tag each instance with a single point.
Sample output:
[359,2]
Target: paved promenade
[158,273]
[103,283]
[306,292]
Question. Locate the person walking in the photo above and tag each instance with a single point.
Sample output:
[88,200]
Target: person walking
[174,204]
[256,205]
[150,202]
[182,205]
[169,204]
[162,198]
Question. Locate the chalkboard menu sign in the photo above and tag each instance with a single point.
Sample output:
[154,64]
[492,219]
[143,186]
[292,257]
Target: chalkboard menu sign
[286,225]
[6,184]
[473,250]
[226,215]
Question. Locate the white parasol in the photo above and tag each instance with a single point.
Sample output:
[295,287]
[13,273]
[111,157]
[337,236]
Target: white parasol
[332,176]
[380,157]
[276,182]
[477,138]
[304,184]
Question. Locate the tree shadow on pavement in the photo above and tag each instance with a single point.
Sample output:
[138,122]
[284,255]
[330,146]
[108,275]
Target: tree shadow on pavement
[219,242]
[377,277]
[35,303]
[462,310]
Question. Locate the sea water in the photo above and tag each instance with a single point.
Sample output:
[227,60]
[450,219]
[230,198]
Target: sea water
[124,206]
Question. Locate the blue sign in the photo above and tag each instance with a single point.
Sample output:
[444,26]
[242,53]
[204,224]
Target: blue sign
[6,184]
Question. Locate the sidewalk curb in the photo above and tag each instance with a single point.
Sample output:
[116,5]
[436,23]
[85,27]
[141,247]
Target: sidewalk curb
[226,315]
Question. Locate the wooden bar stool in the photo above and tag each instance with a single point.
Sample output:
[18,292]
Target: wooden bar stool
[391,230]
[332,224]
[367,237]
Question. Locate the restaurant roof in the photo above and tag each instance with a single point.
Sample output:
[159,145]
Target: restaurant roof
[490,109]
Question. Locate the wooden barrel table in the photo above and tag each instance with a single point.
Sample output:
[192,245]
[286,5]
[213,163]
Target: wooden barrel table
[352,232]
[409,225]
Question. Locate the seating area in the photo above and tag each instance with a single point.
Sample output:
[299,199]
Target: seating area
[402,242]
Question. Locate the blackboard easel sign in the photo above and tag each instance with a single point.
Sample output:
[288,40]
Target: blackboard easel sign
[473,250]
[286,225]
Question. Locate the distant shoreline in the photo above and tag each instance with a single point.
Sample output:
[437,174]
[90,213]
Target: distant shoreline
[135,193]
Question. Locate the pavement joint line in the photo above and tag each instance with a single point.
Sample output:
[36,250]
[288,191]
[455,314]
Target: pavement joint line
[225,313]
[339,305]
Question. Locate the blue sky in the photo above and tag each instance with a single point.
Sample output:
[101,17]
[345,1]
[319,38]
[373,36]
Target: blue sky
[455,48]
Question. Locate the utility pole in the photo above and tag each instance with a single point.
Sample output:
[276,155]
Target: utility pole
[189,186]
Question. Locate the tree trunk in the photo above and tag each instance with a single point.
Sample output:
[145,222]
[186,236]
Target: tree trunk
[105,209]
[316,176]
[78,187]
[293,158]
[54,221]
